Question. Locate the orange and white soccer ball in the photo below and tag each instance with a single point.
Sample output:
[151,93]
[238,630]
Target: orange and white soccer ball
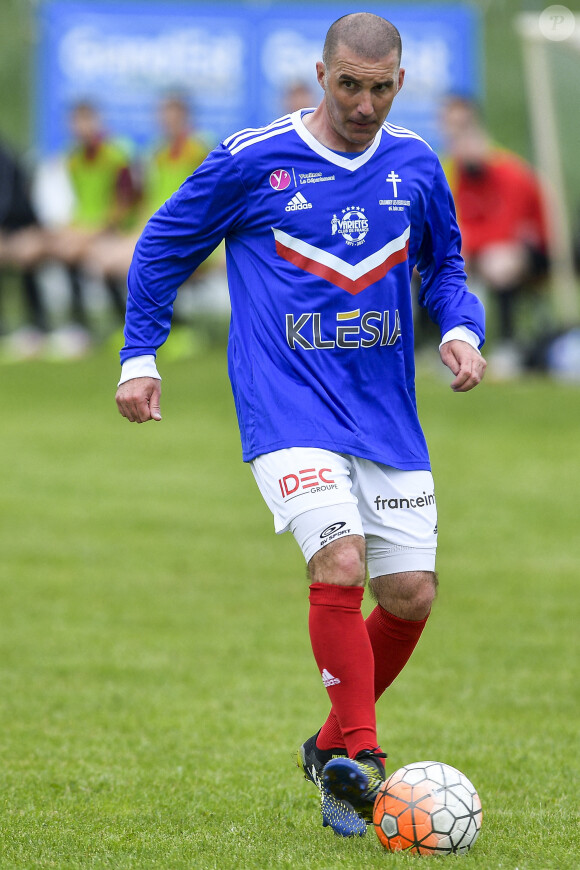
[428,808]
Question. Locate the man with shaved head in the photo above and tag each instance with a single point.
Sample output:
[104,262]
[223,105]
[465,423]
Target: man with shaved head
[365,34]
[325,214]
[365,45]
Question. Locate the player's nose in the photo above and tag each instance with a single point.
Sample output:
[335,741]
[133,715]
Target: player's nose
[365,105]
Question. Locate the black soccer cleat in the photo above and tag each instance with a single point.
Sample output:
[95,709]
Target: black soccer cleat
[336,813]
[356,781]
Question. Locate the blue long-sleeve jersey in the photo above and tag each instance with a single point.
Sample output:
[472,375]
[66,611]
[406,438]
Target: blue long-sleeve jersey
[320,249]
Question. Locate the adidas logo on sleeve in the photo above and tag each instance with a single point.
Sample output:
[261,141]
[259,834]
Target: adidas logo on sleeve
[298,202]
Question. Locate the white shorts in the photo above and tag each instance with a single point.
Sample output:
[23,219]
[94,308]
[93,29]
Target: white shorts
[321,496]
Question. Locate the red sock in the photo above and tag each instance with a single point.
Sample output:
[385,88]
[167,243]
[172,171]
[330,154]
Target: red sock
[344,655]
[393,640]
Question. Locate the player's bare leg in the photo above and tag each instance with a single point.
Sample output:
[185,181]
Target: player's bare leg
[69,245]
[408,595]
[341,563]
[26,249]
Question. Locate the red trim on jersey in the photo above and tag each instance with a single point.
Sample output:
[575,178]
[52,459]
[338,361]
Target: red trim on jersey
[329,274]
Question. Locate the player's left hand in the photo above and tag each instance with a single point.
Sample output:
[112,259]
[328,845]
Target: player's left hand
[139,399]
[466,363]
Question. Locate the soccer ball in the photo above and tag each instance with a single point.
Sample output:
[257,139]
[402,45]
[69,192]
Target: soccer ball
[428,808]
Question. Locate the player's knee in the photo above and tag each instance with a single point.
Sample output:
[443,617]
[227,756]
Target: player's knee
[408,595]
[341,562]
[423,593]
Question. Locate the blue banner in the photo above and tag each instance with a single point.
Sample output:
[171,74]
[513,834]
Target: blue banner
[234,61]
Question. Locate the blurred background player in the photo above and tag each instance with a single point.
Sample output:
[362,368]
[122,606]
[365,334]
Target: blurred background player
[101,177]
[23,245]
[176,156]
[298,95]
[502,220]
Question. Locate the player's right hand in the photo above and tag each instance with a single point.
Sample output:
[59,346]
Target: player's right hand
[139,399]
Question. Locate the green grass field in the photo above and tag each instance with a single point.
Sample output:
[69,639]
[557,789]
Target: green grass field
[156,675]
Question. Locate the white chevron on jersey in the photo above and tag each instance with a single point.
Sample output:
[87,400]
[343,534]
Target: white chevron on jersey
[402,132]
[351,278]
[250,136]
[250,131]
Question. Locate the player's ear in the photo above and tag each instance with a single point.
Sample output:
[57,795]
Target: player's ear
[401,79]
[321,74]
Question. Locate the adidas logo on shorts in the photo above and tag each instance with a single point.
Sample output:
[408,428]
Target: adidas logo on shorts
[298,202]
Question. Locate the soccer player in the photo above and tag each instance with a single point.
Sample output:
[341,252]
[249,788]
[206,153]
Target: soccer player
[325,213]
[23,245]
[176,156]
[172,160]
[501,213]
[100,174]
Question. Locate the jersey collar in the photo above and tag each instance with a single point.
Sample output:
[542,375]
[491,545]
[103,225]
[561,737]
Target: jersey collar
[332,156]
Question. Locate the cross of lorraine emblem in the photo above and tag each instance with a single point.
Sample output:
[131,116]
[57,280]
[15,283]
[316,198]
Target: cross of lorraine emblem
[394,179]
